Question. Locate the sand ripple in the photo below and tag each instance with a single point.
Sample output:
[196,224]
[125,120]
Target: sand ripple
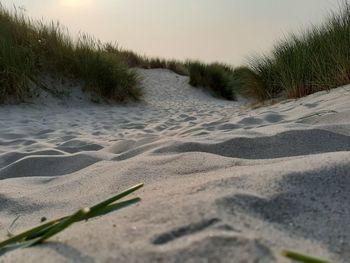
[224,183]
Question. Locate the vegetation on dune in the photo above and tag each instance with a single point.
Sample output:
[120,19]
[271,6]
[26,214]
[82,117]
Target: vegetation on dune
[218,78]
[30,49]
[248,83]
[134,60]
[315,60]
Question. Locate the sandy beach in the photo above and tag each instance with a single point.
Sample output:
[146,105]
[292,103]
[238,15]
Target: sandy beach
[223,182]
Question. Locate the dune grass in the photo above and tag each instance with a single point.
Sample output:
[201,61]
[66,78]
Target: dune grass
[311,61]
[248,83]
[216,77]
[45,231]
[31,49]
[133,60]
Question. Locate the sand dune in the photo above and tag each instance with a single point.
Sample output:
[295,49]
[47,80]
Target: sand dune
[223,182]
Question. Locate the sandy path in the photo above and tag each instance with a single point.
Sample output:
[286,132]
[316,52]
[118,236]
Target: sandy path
[222,183]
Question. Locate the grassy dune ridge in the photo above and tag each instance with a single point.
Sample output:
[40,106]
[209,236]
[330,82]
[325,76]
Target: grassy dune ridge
[30,49]
[316,59]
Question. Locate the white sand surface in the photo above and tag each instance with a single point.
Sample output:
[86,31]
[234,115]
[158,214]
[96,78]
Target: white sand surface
[223,182]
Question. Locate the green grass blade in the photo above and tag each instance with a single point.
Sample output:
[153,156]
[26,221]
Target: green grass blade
[41,233]
[96,210]
[302,258]
[30,232]
[15,246]
[95,213]
[77,216]
[115,198]
[111,208]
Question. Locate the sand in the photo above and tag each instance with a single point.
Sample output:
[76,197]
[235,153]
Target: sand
[223,182]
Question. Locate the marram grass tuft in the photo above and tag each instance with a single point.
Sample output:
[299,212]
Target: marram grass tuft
[31,49]
[314,60]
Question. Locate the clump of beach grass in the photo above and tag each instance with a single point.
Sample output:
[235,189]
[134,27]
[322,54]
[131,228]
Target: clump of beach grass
[45,231]
[314,60]
[30,49]
[216,77]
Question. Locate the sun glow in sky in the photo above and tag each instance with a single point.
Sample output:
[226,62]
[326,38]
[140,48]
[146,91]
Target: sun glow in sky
[211,30]
[75,3]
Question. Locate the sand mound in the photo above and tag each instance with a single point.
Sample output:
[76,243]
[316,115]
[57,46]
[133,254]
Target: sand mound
[223,183]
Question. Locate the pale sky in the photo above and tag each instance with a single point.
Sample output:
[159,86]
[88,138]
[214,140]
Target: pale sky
[228,31]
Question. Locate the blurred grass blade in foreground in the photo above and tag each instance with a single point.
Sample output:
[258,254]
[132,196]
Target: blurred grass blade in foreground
[41,233]
[302,258]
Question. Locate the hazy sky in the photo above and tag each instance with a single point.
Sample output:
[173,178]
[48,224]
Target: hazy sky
[211,30]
